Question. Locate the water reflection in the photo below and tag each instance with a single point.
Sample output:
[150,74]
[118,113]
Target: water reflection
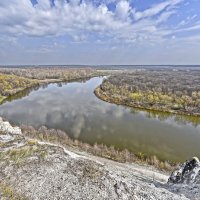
[74,108]
[163,116]
[22,94]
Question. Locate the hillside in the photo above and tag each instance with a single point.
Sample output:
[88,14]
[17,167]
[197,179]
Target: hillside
[31,169]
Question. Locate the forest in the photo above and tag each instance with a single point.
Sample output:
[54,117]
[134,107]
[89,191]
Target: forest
[42,73]
[14,80]
[175,91]
[11,84]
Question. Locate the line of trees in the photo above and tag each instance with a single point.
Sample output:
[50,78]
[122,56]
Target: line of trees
[176,90]
[42,73]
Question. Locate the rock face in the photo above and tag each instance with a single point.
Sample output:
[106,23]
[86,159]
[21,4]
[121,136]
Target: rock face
[7,128]
[186,179]
[39,170]
[188,172]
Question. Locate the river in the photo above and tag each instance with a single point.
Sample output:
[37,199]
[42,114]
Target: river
[74,108]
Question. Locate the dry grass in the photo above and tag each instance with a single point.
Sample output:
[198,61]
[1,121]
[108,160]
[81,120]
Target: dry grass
[18,156]
[2,133]
[7,192]
[61,138]
[32,142]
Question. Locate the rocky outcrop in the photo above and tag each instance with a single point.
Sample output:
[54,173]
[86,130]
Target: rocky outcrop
[186,179]
[188,172]
[40,170]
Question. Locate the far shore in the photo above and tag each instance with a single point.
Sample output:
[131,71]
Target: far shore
[109,99]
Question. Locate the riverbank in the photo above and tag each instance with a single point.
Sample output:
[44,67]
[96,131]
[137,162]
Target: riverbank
[15,80]
[154,90]
[121,101]
[73,108]
[35,169]
[12,84]
[101,150]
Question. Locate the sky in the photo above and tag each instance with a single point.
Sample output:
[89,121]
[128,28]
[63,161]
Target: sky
[98,32]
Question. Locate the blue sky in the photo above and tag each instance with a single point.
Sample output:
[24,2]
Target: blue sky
[100,32]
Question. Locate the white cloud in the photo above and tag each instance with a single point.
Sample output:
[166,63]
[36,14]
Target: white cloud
[122,9]
[79,19]
[194,27]
[44,4]
[164,16]
[156,9]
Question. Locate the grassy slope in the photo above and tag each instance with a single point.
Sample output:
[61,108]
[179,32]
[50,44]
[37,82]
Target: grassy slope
[27,164]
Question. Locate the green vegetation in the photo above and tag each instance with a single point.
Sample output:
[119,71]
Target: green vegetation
[19,155]
[15,80]
[164,90]
[10,84]
[7,192]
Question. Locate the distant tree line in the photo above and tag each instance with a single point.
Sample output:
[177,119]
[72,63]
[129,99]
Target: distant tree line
[42,73]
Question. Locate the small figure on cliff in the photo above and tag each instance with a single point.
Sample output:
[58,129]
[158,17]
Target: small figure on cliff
[187,172]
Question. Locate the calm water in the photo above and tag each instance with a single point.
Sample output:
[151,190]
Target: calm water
[74,108]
